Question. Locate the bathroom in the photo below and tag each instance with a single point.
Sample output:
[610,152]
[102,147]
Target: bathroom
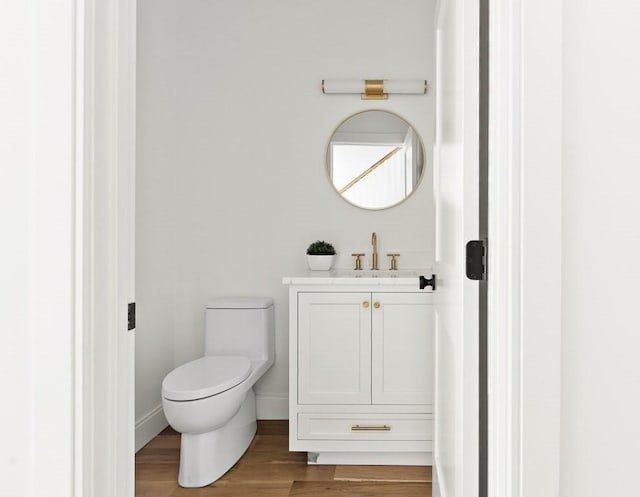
[563,176]
[232,130]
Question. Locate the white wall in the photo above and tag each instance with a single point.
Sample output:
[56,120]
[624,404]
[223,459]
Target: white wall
[248,186]
[601,233]
[37,215]
[252,186]
[155,207]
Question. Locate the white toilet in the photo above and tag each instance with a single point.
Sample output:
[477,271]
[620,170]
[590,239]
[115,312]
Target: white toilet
[211,400]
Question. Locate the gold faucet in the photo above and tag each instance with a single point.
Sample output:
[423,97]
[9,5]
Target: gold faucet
[374,251]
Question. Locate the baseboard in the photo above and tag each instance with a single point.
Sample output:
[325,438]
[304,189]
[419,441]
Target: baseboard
[149,425]
[436,488]
[273,406]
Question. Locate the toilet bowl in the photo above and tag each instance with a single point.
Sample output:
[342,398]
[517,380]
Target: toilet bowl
[210,400]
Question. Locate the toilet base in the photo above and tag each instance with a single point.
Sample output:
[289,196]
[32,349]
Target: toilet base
[207,456]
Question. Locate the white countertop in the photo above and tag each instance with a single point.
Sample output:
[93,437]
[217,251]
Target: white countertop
[352,277]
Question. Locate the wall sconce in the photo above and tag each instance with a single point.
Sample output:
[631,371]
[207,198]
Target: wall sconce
[375,89]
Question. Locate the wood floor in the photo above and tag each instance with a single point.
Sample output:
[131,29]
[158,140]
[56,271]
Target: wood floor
[268,469]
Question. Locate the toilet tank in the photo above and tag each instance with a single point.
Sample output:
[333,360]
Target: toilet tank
[240,326]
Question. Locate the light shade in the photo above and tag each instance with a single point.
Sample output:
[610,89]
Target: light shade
[375,88]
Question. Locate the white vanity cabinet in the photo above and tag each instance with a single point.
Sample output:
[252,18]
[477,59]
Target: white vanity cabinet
[361,370]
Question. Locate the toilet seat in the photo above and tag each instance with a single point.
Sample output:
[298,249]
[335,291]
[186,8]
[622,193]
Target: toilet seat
[205,377]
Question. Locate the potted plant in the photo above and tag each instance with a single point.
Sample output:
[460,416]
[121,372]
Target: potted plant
[320,255]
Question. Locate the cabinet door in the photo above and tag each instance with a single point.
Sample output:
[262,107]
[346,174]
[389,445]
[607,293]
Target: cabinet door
[334,348]
[402,348]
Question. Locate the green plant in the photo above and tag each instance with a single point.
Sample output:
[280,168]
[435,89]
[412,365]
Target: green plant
[320,247]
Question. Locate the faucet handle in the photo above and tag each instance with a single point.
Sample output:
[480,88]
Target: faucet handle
[393,263]
[358,261]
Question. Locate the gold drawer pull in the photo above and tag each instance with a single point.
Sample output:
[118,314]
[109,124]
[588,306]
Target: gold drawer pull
[365,304]
[376,305]
[371,428]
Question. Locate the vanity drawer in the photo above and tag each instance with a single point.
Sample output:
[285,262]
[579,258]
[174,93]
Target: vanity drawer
[333,426]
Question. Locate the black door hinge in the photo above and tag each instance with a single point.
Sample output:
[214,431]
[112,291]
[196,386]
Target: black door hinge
[131,315]
[476,260]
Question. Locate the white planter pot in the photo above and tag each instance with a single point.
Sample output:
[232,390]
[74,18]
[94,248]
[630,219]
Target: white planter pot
[320,262]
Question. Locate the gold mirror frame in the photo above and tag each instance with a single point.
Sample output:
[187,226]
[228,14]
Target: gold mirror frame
[328,160]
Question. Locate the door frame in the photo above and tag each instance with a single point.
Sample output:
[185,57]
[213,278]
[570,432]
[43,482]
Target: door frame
[524,301]
[105,95]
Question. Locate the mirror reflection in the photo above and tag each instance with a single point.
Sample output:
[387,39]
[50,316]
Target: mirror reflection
[375,159]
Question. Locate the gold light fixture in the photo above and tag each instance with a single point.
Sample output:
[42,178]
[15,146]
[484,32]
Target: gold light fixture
[375,89]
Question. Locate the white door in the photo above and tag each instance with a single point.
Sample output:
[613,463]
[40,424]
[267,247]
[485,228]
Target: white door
[334,348]
[456,197]
[402,356]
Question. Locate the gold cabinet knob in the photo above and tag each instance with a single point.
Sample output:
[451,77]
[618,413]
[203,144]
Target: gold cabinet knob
[365,304]
[376,305]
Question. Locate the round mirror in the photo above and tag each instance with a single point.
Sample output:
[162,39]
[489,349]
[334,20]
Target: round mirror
[375,159]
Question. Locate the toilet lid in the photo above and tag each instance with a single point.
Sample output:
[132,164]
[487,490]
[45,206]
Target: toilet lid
[205,377]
